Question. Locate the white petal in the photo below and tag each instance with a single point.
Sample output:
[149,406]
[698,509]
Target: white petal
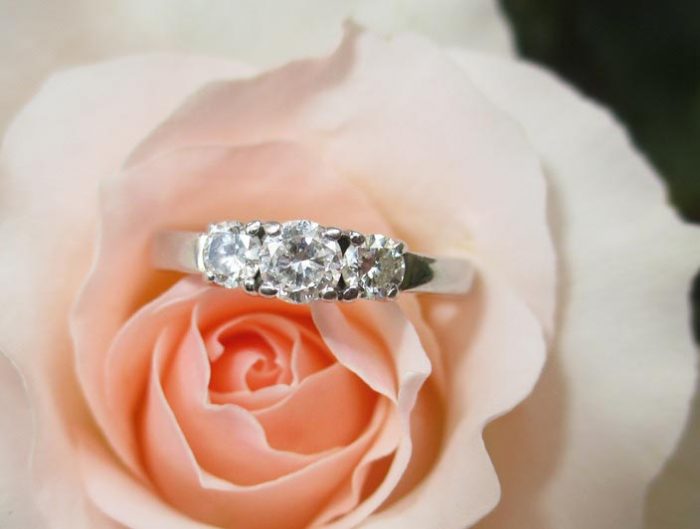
[263,32]
[17,509]
[613,400]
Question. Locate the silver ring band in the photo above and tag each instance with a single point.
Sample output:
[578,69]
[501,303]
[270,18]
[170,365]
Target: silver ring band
[300,261]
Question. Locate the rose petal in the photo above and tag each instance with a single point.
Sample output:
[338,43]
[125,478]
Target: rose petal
[47,227]
[614,399]
[491,372]
[412,368]
[17,507]
[263,33]
[328,410]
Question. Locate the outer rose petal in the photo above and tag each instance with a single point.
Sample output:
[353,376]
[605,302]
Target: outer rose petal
[614,399]
[260,33]
[17,505]
[47,223]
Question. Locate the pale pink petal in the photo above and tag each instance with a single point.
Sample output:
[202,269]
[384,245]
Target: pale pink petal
[18,507]
[53,156]
[359,344]
[614,400]
[491,372]
[412,368]
[123,497]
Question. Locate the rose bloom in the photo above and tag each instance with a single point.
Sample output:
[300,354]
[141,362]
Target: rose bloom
[143,399]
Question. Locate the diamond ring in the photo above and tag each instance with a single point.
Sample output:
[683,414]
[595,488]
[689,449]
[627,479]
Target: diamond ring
[300,261]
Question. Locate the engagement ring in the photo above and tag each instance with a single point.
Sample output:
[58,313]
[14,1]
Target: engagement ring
[300,261]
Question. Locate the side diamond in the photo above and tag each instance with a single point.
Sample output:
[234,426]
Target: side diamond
[376,266]
[230,254]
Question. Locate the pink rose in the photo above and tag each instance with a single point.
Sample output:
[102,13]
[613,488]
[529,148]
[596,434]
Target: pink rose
[195,406]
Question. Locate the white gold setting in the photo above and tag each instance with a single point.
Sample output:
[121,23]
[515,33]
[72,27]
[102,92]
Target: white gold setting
[300,261]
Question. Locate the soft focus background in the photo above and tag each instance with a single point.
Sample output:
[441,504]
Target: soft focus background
[641,59]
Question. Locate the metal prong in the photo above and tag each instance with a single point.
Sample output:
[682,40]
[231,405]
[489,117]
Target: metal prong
[329,294]
[272,228]
[253,228]
[351,294]
[249,285]
[356,237]
[199,251]
[391,292]
[401,247]
[209,276]
[267,291]
[332,233]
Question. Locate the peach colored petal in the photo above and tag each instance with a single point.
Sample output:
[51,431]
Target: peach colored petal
[295,495]
[52,158]
[121,496]
[329,409]
[491,371]
[412,368]
[356,344]
[307,354]
[118,377]
[227,440]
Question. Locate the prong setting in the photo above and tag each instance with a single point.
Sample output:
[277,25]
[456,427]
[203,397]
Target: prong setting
[329,294]
[391,292]
[300,261]
[351,294]
[253,227]
[356,237]
[272,228]
[267,290]
[249,285]
[332,234]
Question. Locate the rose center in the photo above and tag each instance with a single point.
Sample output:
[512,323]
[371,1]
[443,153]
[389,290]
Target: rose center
[248,362]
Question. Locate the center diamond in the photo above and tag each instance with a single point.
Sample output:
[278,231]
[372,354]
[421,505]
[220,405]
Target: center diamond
[299,261]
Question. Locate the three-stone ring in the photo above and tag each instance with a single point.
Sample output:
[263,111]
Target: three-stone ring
[300,261]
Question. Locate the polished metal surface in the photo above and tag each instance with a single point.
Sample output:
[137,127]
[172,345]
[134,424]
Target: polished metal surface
[182,251]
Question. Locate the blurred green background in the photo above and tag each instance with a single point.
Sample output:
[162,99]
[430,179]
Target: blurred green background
[642,60]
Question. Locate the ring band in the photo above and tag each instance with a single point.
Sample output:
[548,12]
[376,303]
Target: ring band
[300,261]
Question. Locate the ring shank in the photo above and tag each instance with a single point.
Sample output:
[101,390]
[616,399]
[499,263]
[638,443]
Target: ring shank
[179,250]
